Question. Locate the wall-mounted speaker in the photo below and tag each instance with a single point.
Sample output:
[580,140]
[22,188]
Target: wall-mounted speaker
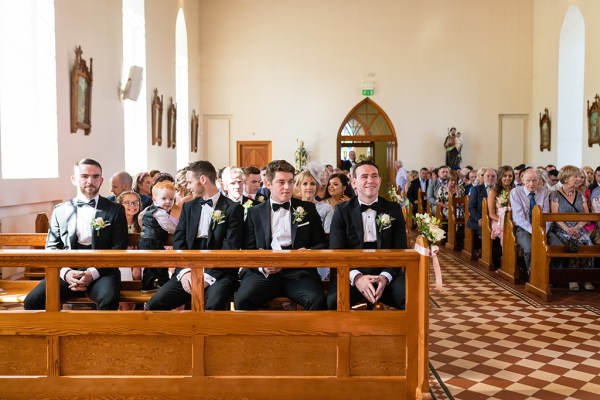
[134,83]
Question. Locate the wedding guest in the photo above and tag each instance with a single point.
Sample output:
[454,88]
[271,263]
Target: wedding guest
[88,221]
[251,179]
[142,184]
[369,222]
[122,182]
[181,193]
[130,200]
[157,225]
[498,203]
[282,223]
[422,183]
[210,221]
[234,184]
[435,184]
[264,190]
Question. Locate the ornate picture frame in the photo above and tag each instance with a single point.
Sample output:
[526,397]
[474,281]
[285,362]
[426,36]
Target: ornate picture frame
[157,109]
[171,124]
[545,130]
[81,94]
[194,132]
[593,114]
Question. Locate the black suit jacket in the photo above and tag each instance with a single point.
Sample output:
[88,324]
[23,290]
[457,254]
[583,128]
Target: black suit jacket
[62,234]
[478,193]
[226,235]
[347,230]
[413,191]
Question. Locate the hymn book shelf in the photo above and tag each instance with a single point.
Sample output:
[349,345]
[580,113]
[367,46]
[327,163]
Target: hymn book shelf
[197,354]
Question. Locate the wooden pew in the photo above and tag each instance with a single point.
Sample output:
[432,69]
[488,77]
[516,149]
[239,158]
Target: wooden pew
[509,251]
[218,354]
[407,227]
[469,242]
[422,200]
[541,274]
[453,204]
[486,238]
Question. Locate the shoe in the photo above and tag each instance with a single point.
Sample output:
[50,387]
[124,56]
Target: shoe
[574,286]
[588,286]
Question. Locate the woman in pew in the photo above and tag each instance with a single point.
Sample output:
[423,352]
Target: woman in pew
[569,199]
[132,203]
[142,184]
[498,200]
[452,188]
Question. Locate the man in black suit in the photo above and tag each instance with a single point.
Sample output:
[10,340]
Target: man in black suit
[369,222]
[345,165]
[283,223]
[413,190]
[89,221]
[210,221]
[478,193]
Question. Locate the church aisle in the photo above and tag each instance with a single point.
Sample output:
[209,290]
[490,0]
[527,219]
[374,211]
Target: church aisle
[489,341]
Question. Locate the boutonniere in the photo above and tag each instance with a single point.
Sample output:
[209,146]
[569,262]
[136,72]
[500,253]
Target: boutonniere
[384,221]
[216,217]
[260,199]
[299,214]
[99,223]
[248,204]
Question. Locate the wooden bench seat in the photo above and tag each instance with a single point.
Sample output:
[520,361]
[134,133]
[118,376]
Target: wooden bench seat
[486,238]
[454,203]
[541,275]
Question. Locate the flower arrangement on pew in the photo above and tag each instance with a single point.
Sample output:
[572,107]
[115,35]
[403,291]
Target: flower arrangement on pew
[394,196]
[429,227]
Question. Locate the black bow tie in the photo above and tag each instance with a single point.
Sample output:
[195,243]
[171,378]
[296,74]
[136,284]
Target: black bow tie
[208,202]
[277,206]
[365,207]
[91,203]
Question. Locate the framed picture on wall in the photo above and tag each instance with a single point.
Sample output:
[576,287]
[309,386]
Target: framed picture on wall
[593,113]
[81,94]
[157,109]
[545,131]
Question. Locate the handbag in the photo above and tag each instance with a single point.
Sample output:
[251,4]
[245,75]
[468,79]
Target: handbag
[571,245]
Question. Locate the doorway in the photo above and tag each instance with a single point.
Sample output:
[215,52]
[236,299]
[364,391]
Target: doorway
[257,153]
[368,131]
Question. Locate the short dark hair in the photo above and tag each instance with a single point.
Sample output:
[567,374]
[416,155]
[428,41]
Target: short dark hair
[360,164]
[251,170]
[203,168]
[278,166]
[89,161]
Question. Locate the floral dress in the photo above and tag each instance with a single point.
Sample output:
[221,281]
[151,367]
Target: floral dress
[564,206]
[443,194]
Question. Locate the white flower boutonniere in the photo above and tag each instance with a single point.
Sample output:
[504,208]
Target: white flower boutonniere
[299,214]
[99,223]
[384,221]
[248,204]
[260,199]
[216,217]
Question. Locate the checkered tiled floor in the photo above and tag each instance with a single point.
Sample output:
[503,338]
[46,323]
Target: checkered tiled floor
[487,341]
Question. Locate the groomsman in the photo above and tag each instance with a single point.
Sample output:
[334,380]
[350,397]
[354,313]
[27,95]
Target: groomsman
[89,221]
[282,223]
[368,221]
[210,221]
[251,178]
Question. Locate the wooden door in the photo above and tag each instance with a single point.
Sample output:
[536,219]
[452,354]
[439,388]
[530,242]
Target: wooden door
[255,153]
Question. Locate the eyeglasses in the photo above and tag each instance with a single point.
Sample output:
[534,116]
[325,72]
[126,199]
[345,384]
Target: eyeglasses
[131,203]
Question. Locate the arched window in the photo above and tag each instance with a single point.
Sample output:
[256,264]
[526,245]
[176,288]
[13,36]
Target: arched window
[135,113]
[28,106]
[181,91]
[571,60]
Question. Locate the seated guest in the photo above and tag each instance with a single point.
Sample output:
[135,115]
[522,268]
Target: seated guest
[264,190]
[181,193]
[413,190]
[435,184]
[589,175]
[369,222]
[452,188]
[234,184]
[338,191]
[210,221]
[478,193]
[282,223]
[157,225]
[568,199]
[142,184]
[401,176]
[469,180]
[307,186]
[518,170]
[130,200]
[153,173]
[321,176]
[498,200]
[89,221]
[121,182]
[522,201]
[251,179]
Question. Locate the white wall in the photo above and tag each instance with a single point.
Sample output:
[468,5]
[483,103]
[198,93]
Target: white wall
[289,69]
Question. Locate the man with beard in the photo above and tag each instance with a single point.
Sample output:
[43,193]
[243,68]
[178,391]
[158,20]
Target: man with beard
[89,221]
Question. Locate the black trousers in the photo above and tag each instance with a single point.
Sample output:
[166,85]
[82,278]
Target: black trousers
[172,295]
[302,286]
[104,291]
[394,294]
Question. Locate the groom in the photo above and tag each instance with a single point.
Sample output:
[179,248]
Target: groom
[368,221]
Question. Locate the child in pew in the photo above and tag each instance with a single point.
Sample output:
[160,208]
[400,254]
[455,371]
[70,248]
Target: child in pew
[157,225]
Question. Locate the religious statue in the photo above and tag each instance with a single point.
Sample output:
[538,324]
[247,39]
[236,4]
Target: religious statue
[300,155]
[453,145]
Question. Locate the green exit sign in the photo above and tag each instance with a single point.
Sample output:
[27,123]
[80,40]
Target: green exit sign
[368,92]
